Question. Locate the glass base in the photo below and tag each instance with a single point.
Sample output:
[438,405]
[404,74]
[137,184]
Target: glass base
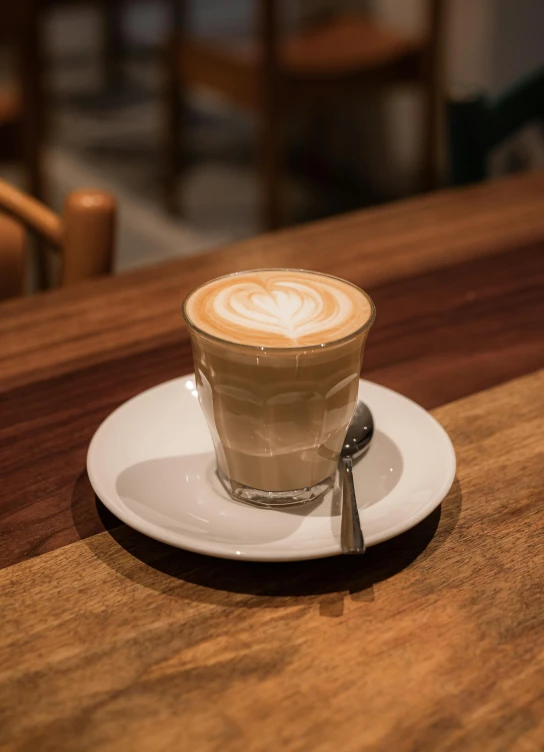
[273,499]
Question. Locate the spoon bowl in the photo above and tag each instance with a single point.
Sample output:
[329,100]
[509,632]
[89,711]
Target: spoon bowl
[359,433]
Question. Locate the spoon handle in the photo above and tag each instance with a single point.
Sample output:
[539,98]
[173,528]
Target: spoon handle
[352,538]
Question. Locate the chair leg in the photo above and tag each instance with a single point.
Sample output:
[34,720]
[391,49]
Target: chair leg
[172,125]
[111,12]
[31,66]
[433,130]
[432,145]
[271,162]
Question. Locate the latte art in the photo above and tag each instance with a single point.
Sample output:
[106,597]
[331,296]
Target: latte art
[281,308]
[291,309]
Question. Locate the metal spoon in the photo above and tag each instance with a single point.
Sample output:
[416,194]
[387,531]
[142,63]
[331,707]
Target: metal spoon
[356,443]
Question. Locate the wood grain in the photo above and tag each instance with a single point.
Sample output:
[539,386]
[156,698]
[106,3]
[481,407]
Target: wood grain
[92,323]
[431,642]
[439,336]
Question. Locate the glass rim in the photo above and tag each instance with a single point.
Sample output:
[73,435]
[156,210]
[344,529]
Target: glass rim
[332,343]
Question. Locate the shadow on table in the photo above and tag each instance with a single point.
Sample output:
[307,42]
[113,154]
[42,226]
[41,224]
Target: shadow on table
[245,584]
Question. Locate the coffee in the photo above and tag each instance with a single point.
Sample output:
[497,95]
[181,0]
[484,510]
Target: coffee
[278,308]
[277,359]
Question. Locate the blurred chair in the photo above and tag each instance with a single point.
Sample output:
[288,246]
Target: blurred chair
[21,102]
[83,236]
[477,125]
[22,110]
[12,257]
[343,55]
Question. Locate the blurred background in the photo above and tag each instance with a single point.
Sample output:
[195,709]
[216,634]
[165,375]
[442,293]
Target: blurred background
[213,120]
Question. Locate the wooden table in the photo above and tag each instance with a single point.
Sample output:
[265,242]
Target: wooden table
[433,641]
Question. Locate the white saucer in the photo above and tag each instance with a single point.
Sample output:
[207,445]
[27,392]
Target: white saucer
[151,463]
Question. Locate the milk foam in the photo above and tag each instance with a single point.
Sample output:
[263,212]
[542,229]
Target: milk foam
[278,308]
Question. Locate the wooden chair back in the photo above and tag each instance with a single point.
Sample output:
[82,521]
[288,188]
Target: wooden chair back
[19,27]
[83,236]
[331,55]
[269,25]
[432,75]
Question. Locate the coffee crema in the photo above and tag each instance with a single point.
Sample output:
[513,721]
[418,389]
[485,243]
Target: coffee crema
[278,308]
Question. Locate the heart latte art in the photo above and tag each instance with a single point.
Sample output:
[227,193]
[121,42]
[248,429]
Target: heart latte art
[278,308]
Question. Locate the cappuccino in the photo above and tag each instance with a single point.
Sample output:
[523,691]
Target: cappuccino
[277,357]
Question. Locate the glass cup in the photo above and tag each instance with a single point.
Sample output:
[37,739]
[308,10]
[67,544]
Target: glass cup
[278,416]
